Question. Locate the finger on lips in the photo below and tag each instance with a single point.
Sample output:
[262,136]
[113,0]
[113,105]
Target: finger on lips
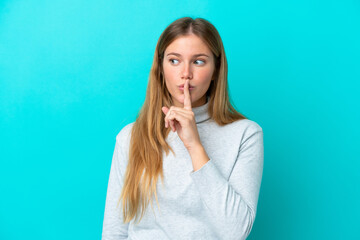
[178,112]
[187,98]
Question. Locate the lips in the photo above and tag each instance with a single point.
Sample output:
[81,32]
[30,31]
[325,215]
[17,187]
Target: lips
[182,86]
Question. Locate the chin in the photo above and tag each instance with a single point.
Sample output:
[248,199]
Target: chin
[191,98]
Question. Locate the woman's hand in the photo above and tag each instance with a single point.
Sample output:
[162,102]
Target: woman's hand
[183,121]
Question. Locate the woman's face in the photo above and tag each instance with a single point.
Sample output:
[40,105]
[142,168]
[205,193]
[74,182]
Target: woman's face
[188,57]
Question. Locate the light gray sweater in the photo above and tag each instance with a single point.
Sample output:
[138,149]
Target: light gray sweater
[218,201]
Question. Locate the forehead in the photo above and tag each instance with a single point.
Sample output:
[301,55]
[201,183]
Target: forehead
[188,45]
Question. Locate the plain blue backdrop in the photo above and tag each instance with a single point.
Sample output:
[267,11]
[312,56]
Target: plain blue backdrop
[74,72]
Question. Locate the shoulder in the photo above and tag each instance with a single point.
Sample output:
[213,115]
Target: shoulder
[251,125]
[124,133]
[122,146]
[123,137]
[245,126]
[243,130]
[236,132]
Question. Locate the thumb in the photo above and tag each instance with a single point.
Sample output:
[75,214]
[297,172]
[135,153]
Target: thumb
[165,110]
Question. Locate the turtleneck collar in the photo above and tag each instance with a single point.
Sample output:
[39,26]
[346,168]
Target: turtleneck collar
[201,112]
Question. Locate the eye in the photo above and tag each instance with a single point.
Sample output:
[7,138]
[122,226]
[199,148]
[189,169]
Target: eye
[171,60]
[201,62]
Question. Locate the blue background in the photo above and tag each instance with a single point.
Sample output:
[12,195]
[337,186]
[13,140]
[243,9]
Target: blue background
[73,73]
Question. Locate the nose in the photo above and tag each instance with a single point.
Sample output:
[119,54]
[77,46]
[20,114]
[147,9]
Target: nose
[186,71]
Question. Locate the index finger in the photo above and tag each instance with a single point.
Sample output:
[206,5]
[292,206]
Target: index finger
[187,98]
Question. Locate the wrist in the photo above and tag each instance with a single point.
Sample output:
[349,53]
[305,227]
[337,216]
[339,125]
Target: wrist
[198,156]
[195,149]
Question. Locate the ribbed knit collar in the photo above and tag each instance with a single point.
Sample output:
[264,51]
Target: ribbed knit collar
[201,112]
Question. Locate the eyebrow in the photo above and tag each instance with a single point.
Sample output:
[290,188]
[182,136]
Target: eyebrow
[179,55]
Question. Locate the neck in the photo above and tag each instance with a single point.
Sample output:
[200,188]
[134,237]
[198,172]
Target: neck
[199,102]
[201,112]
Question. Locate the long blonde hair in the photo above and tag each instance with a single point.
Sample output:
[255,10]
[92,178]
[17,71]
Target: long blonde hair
[148,133]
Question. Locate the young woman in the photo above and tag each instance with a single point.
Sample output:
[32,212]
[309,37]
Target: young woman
[208,156]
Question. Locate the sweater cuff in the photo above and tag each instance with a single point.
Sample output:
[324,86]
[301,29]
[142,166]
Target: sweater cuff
[208,179]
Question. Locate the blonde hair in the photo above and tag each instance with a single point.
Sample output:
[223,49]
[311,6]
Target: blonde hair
[148,133]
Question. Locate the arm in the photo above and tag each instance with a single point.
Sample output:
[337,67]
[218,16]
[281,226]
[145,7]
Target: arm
[232,203]
[113,227]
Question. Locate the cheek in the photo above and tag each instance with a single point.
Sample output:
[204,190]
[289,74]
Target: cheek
[205,75]
[169,80]
[170,76]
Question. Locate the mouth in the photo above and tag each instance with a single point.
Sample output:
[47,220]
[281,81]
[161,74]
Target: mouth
[181,87]
[190,86]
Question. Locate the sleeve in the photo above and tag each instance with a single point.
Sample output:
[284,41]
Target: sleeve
[232,203]
[113,226]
